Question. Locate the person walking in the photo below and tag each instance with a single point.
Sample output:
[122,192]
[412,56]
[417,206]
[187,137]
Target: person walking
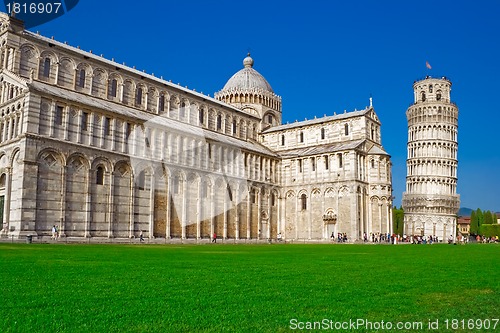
[214,239]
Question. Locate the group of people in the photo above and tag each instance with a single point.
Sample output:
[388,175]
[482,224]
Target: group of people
[341,237]
[377,237]
[484,239]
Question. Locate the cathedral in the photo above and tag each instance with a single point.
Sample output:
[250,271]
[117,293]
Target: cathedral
[100,149]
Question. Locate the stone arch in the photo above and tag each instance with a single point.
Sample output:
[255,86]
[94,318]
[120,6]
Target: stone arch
[115,83]
[122,174]
[192,196]
[128,88]
[48,190]
[183,108]
[269,118]
[99,82]
[161,201]
[330,192]
[176,197]
[140,93]
[153,100]
[13,156]
[143,182]
[243,128]
[47,66]
[101,160]
[29,60]
[66,72]
[84,73]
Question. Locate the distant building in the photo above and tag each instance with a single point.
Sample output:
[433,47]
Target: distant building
[104,150]
[431,202]
[464,225]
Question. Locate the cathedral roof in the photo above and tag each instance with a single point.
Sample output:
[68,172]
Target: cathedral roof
[322,149]
[317,120]
[247,78]
[376,150]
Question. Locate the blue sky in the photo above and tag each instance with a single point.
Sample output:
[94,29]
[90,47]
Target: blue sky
[321,57]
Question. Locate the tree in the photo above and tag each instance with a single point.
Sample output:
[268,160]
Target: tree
[480,218]
[473,223]
[488,219]
[398,220]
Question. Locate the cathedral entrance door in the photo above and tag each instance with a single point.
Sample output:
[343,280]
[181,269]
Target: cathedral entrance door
[330,228]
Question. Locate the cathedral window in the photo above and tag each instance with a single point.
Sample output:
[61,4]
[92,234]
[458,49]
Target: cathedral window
[128,130]
[138,97]
[234,127]
[283,139]
[46,67]
[253,197]
[423,96]
[107,126]
[210,151]
[372,132]
[114,85]
[273,199]
[58,119]
[373,164]
[322,134]
[2,180]
[219,122]
[303,201]
[301,137]
[340,159]
[161,103]
[313,163]
[430,88]
[438,96]
[346,129]
[201,116]
[270,119]
[300,165]
[81,79]
[99,179]
[85,119]
[326,162]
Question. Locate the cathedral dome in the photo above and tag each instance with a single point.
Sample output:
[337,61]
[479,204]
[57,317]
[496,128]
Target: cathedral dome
[247,78]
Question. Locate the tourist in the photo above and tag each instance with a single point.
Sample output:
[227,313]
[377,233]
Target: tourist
[141,237]
[53,232]
[214,239]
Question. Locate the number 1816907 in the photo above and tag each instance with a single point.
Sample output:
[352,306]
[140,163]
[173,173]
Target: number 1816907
[471,324]
[33,7]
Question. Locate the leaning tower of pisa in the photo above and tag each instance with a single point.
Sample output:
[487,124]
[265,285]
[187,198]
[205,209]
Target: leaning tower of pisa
[431,202]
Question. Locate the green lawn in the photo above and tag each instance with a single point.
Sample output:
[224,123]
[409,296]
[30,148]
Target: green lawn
[244,288]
